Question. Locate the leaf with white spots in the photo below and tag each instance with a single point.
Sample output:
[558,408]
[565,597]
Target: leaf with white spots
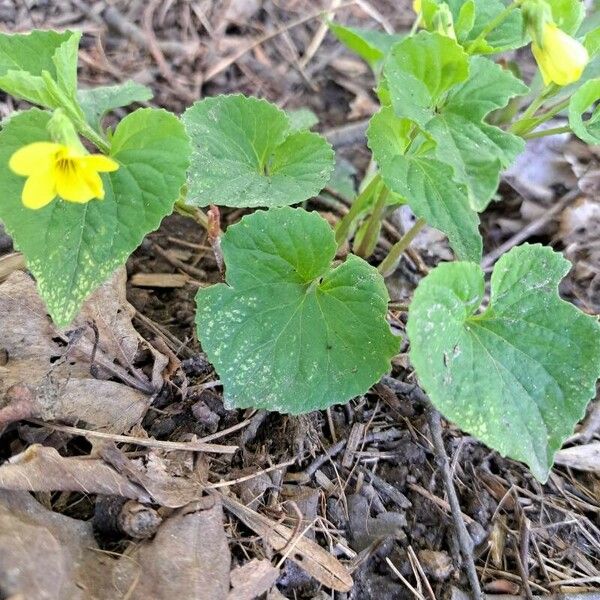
[247,153]
[72,248]
[518,374]
[287,331]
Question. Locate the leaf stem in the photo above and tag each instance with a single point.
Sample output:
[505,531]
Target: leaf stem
[193,212]
[358,205]
[390,262]
[88,132]
[369,240]
[546,132]
[528,120]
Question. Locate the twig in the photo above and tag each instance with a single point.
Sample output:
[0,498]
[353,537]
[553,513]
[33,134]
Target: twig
[464,539]
[529,229]
[319,36]
[192,271]
[198,446]
[224,64]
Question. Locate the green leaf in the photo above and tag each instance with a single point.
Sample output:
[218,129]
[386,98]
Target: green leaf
[72,248]
[420,70]
[586,96]
[476,150]
[507,36]
[371,45]
[97,102]
[288,332]
[26,59]
[244,154]
[302,119]
[592,42]
[465,20]
[426,183]
[519,375]
[567,14]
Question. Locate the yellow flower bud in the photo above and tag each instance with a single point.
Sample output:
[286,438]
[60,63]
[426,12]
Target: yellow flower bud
[417,6]
[560,57]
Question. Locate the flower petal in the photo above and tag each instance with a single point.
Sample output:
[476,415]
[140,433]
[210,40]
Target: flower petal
[33,158]
[38,190]
[71,185]
[99,162]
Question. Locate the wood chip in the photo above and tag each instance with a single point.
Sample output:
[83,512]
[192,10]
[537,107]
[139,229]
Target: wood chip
[357,434]
[583,458]
[159,280]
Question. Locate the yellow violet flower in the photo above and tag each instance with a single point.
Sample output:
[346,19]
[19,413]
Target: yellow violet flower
[560,57]
[59,170]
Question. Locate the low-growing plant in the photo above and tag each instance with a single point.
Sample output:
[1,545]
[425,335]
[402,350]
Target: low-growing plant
[292,328]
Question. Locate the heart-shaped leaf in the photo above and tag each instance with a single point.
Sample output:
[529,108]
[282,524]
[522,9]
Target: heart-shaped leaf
[72,248]
[288,332]
[245,153]
[517,375]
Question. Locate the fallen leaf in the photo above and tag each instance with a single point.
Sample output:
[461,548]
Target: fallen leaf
[58,372]
[188,559]
[316,561]
[43,469]
[48,556]
[252,579]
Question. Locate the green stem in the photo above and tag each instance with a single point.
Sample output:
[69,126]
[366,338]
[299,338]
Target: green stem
[546,132]
[192,212]
[369,240]
[553,111]
[359,204]
[523,123]
[390,262]
[93,136]
[495,22]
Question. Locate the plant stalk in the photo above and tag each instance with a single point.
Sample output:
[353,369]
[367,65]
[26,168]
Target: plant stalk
[546,132]
[369,240]
[192,212]
[390,262]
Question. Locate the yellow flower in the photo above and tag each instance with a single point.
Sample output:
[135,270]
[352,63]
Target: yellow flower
[416,6]
[560,57]
[58,170]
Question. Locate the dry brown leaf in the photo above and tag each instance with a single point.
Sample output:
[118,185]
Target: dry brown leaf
[188,559]
[59,376]
[43,469]
[252,579]
[47,556]
[316,561]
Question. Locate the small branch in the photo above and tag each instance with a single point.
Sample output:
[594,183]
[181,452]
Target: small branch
[464,539]
[530,229]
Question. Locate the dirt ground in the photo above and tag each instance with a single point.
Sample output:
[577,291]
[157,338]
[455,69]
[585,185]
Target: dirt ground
[277,506]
